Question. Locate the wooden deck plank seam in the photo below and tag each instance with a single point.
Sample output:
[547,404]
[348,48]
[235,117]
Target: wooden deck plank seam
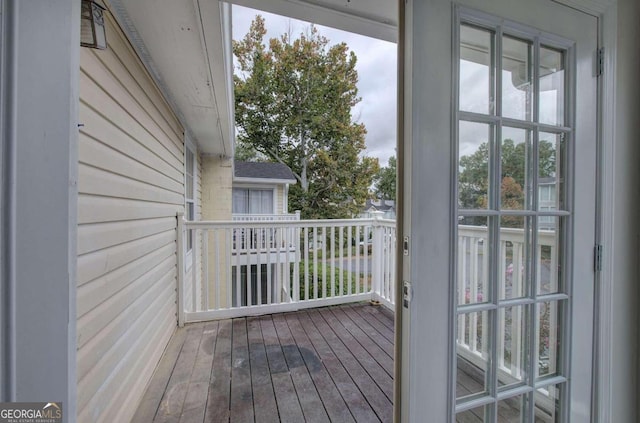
[355,344]
[356,362]
[358,327]
[383,330]
[312,349]
[368,347]
[311,329]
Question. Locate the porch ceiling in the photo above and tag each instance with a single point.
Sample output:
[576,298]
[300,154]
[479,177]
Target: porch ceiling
[373,18]
[183,45]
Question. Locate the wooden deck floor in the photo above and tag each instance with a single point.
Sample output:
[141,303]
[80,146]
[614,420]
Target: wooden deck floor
[328,364]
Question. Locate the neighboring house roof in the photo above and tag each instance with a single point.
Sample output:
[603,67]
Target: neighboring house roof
[547,181]
[379,205]
[263,172]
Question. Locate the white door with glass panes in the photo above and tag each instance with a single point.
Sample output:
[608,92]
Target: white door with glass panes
[501,155]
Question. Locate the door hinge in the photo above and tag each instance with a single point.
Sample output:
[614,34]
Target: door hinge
[597,262]
[405,246]
[407,293]
[600,61]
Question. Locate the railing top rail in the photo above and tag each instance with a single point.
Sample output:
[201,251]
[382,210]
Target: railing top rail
[269,217]
[324,223]
[506,234]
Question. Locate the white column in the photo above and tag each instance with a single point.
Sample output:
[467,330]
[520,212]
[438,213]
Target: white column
[39,201]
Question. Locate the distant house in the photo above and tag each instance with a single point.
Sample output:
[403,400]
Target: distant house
[261,188]
[547,202]
[388,207]
[260,193]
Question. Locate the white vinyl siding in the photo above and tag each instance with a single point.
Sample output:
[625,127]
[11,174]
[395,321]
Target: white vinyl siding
[281,206]
[193,243]
[131,185]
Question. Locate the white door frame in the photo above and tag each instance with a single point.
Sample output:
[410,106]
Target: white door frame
[606,12]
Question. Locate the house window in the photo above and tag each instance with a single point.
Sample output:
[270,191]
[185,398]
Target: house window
[189,192]
[252,201]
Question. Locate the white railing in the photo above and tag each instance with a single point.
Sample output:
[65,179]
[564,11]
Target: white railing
[246,217]
[258,267]
[472,269]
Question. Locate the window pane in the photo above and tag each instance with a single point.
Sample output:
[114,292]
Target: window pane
[512,352]
[475,415]
[476,52]
[266,206]
[255,201]
[514,251]
[240,201]
[473,260]
[190,217]
[189,174]
[547,404]
[549,261]
[514,151]
[473,166]
[548,338]
[511,410]
[472,346]
[516,79]
[551,171]
[551,86]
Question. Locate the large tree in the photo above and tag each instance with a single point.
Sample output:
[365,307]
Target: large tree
[473,177]
[385,181]
[293,101]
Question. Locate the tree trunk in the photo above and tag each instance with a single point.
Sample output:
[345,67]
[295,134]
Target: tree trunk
[304,182]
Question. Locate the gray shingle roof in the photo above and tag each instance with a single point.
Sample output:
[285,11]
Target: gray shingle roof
[263,170]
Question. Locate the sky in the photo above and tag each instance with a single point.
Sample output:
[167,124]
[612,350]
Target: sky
[376,67]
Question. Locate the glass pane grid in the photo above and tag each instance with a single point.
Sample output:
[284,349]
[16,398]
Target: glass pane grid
[511,199]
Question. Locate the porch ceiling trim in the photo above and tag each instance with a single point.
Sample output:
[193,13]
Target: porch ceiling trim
[358,18]
[198,86]
[594,7]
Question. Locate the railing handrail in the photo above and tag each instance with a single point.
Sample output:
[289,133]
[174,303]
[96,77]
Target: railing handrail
[314,223]
[506,234]
[269,217]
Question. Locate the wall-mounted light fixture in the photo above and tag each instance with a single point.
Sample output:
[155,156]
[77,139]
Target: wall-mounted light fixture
[92,31]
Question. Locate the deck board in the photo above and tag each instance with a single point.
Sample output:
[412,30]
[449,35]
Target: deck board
[310,401]
[356,365]
[241,392]
[217,408]
[325,365]
[334,404]
[332,364]
[264,398]
[286,398]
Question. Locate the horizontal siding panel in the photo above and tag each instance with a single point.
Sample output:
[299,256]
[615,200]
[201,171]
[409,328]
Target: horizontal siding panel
[145,347]
[131,65]
[95,209]
[98,263]
[108,61]
[145,151]
[104,352]
[113,89]
[123,406]
[91,294]
[94,96]
[102,235]
[99,182]
[98,155]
